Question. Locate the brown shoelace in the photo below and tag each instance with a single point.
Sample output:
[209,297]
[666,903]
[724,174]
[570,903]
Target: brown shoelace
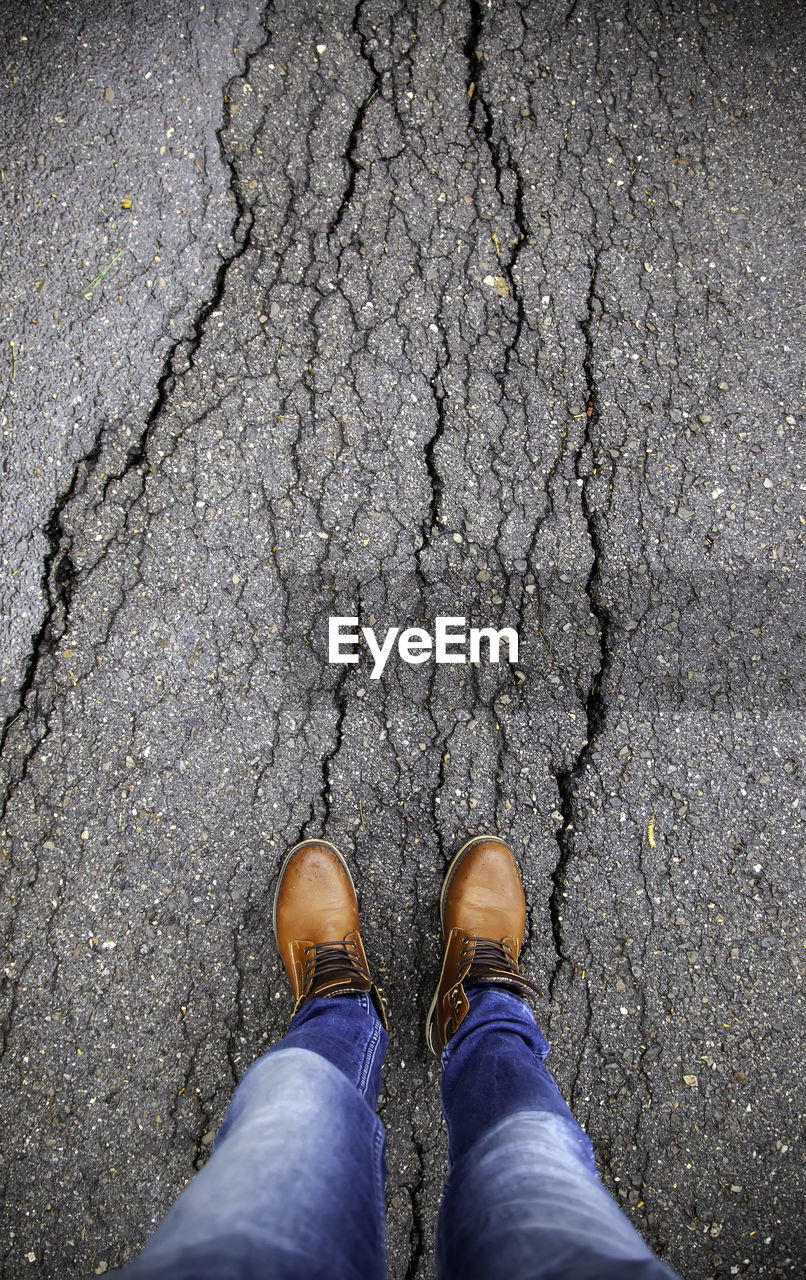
[492,952]
[325,960]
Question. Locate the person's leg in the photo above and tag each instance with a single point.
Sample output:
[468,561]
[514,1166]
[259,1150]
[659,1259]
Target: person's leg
[294,1188]
[295,1184]
[522,1197]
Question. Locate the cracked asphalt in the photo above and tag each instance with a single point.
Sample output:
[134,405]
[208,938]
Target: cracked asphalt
[402,311]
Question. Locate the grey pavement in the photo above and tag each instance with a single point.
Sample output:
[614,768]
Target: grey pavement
[398,312]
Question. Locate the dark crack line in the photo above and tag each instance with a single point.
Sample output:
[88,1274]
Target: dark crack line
[353,167]
[435,480]
[595,703]
[59,574]
[499,768]
[236,1030]
[417,1235]
[181,357]
[482,120]
[201,1151]
[312,827]
[206,1113]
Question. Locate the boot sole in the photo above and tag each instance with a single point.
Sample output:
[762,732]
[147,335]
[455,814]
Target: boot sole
[449,874]
[301,845]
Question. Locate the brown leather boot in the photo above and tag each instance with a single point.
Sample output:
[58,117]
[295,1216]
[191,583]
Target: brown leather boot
[317,928]
[483,912]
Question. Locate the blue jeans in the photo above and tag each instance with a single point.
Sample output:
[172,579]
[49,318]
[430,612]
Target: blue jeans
[294,1189]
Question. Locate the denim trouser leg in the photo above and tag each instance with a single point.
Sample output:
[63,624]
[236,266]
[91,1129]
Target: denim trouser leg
[294,1189]
[522,1197]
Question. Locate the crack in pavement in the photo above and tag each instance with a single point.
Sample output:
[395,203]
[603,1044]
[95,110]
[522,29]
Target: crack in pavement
[417,1237]
[435,480]
[59,573]
[353,166]
[313,827]
[482,120]
[595,702]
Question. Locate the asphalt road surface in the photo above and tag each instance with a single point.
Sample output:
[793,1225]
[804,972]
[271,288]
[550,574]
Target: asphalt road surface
[400,312]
